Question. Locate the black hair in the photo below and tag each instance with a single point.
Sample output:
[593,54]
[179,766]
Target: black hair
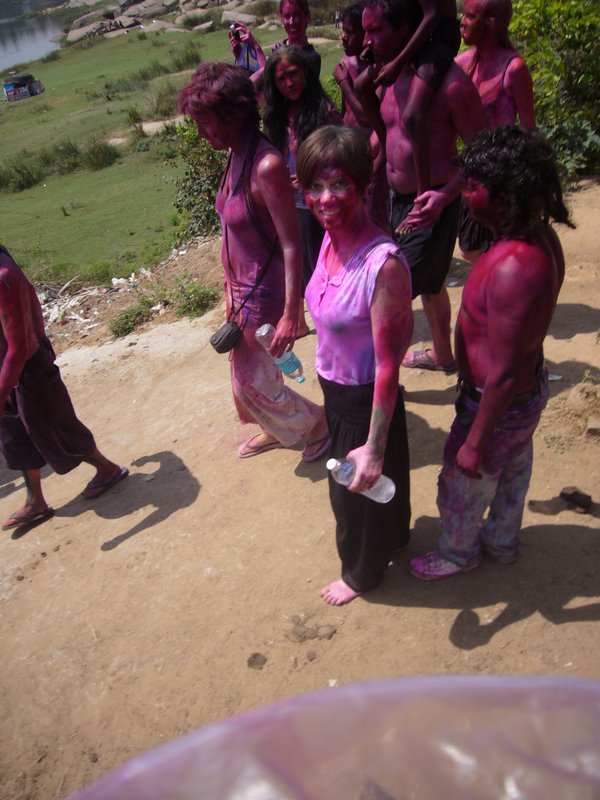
[517,167]
[315,105]
[353,15]
[399,12]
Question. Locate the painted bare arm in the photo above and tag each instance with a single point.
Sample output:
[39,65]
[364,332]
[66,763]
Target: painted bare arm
[371,102]
[390,71]
[275,191]
[343,78]
[513,293]
[520,86]
[467,119]
[392,324]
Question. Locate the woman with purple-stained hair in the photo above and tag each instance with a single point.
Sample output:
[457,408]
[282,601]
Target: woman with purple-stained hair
[261,249]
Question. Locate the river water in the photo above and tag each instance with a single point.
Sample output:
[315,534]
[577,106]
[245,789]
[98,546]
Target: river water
[24,38]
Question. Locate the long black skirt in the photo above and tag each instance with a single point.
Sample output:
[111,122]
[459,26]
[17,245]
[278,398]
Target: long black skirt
[367,533]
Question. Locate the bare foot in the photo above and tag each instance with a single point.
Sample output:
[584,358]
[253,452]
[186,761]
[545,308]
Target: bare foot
[338,593]
[302,330]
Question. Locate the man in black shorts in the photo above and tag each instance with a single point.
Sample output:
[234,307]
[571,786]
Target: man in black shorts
[455,111]
[38,424]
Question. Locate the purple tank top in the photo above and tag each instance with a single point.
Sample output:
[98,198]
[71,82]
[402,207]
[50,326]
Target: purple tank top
[341,310]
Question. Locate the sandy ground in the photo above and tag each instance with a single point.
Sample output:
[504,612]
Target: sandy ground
[130,620]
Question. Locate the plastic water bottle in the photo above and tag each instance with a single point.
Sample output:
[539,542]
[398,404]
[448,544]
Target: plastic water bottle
[288,363]
[342,471]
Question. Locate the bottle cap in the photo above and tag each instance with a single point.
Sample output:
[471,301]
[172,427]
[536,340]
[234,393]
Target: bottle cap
[331,463]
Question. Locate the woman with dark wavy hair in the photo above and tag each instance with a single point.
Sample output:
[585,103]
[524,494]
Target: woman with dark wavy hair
[295,106]
[261,257]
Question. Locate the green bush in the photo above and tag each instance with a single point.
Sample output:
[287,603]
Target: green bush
[23,171]
[332,88]
[190,21]
[191,298]
[558,39]
[196,191]
[187,58]
[133,115]
[128,319]
[53,55]
[162,101]
[65,156]
[98,153]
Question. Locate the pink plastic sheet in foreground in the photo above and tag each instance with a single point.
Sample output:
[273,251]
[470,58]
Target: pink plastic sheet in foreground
[425,738]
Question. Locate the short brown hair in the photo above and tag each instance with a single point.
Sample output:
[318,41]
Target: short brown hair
[224,89]
[336,146]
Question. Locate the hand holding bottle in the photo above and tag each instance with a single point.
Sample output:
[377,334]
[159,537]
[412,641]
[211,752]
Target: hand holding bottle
[369,466]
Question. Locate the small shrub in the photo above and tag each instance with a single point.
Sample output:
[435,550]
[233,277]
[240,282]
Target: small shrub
[191,298]
[98,153]
[128,319]
[190,21]
[142,36]
[187,58]
[24,171]
[65,156]
[133,115]
[263,8]
[162,101]
[53,55]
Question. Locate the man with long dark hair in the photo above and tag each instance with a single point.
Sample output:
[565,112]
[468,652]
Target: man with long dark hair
[512,186]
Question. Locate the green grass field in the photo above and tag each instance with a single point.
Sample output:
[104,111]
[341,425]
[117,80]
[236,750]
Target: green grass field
[110,222]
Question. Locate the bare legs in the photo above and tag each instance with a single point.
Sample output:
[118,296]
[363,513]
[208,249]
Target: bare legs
[437,311]
[35,503]
[105,469]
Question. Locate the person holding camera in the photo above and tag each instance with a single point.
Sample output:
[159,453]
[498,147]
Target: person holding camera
[261,258]
[294,16]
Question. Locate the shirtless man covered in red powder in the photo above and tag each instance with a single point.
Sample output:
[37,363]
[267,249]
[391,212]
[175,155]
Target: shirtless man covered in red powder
[508,301]
[38,425]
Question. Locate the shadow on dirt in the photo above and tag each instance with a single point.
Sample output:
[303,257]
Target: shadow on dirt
[557,576]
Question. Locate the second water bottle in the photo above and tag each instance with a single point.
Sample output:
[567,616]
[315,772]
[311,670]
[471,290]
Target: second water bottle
[288,363]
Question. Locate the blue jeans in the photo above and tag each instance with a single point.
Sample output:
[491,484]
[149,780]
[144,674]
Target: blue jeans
[506,471]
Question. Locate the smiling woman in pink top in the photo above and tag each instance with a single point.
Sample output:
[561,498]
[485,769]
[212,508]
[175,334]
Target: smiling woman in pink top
[360,300]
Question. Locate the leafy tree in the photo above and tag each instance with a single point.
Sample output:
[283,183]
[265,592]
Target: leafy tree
[558,39]
[196,191]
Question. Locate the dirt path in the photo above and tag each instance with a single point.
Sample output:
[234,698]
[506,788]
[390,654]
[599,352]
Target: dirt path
[130,620]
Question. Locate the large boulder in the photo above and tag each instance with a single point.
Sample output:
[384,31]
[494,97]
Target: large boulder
[205,27]
[77,34]
[237,16]
[93,16]
[150,9]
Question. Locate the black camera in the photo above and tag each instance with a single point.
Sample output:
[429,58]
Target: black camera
[234,31]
